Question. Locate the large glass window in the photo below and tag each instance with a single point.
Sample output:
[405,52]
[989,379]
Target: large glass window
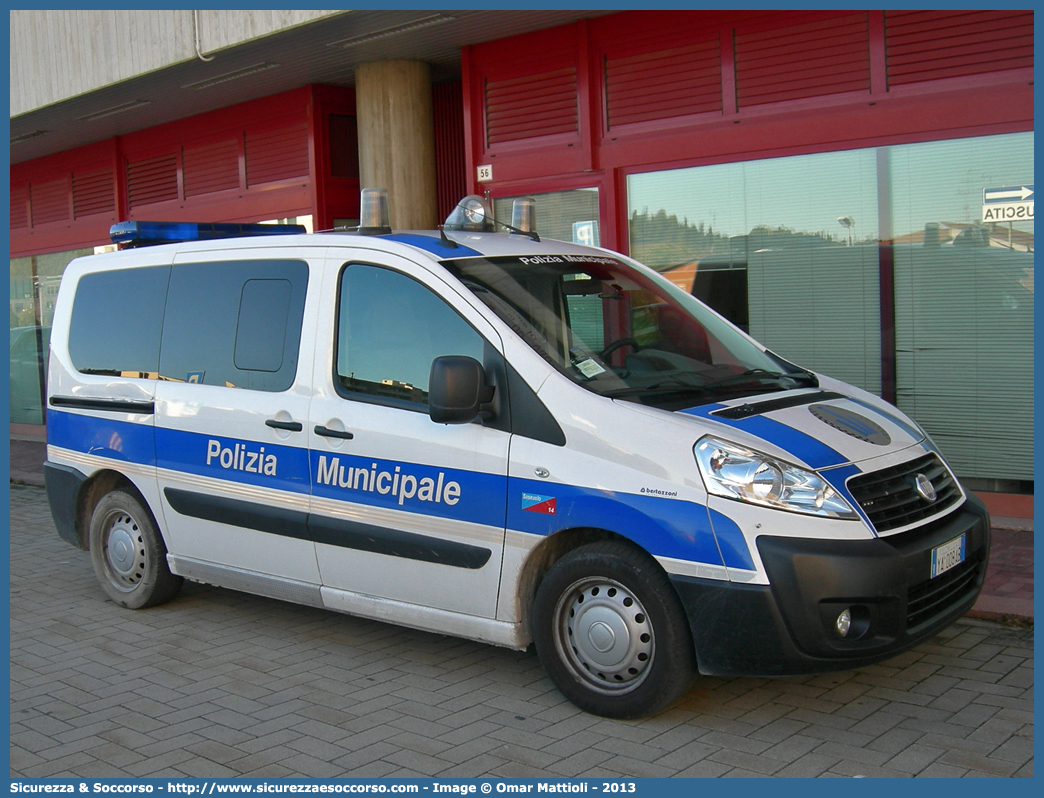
[964,299]
[34,288]
[390,329]
[785,248]
[792,250]
[562,215]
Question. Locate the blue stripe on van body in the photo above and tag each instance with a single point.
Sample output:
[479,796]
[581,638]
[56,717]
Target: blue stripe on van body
[188,452]
[836,477]
[663,527]
[733,545]
[803,446]
[836,468]
[105,437]
[481,498]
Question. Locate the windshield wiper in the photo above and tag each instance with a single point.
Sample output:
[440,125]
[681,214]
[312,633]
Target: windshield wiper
[806,375]
[659,387]
[752,374]
[756,373]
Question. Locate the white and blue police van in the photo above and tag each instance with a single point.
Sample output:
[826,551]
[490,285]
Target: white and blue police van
[487,435]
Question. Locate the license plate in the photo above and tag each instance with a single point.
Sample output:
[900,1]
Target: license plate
[947,555]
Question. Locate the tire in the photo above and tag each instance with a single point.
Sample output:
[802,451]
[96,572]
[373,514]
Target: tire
[611,633]
[129,556]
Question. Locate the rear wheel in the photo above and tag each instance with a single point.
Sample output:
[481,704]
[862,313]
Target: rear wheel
[128,554]
[611,633]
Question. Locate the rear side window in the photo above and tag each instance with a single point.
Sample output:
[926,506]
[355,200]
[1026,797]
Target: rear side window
[235,324]
[117,318]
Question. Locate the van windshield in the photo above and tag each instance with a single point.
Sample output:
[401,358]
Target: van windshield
[623,333]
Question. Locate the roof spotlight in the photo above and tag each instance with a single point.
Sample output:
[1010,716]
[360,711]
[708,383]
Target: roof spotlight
[472,213]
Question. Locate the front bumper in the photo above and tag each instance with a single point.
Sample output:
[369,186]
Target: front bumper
[787,627]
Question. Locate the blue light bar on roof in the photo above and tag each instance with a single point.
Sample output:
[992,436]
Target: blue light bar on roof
[145,234]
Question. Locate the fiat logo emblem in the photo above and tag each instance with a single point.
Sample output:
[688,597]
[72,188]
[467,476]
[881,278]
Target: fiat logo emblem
[924,488]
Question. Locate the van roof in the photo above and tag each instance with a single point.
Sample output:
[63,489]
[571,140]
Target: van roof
[430,242]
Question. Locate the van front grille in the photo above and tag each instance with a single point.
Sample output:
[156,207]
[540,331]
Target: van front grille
[890,499]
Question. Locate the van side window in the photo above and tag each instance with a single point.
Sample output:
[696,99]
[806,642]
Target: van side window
[116,321]
[236,324]
[389,330]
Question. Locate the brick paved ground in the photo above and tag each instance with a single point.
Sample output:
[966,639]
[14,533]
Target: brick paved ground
[218,683]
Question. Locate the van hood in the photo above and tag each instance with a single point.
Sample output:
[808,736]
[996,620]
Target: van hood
[822,428]
[819,429]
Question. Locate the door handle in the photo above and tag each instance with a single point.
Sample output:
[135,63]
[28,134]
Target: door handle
[289,426]
[326,432]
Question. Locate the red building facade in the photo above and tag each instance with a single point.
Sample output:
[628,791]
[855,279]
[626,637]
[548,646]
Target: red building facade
[817,177]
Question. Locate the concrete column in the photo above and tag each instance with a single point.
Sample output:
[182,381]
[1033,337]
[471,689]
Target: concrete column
[397,139]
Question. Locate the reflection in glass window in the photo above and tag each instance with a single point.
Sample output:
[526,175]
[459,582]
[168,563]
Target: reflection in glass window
[34,288]
[612,329]
[235,324]
[561,215]
[964,300]
[264,307]
[117,318]
[785,248]
[791,250]
[390,329]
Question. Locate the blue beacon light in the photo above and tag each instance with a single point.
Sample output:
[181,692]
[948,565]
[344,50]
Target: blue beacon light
[143,234]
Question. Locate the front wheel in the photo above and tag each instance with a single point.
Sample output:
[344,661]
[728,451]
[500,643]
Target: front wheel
[611,633]
[128,554]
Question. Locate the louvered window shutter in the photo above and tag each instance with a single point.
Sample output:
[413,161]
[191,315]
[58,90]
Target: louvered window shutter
[663,84]
[928,45]
[152,180]
[827,56]
[280,154]
[540,104]
[93,192]
[211,167]
[50,201]
[19,207]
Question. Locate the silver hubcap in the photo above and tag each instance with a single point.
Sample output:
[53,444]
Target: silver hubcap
[125,554]
[603,634]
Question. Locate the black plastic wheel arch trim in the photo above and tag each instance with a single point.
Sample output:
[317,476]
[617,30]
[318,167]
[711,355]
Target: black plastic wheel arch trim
[63,491]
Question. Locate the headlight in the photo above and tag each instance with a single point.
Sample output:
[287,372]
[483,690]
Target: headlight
[736,472]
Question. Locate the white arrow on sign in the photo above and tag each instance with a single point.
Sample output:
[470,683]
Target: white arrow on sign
[1018,193]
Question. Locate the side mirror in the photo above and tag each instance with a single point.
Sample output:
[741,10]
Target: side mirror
[456,389]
